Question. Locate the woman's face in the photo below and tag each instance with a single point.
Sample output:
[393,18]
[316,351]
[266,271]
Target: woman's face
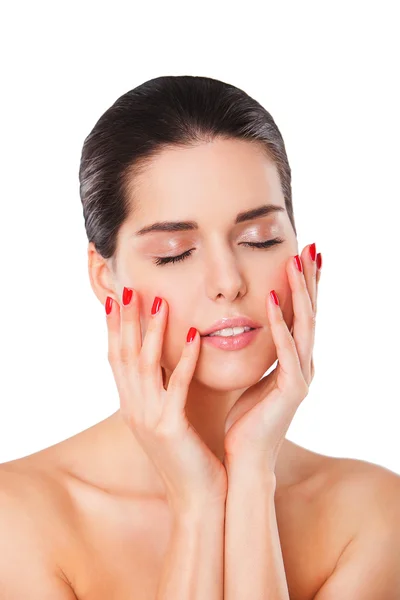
[222,277]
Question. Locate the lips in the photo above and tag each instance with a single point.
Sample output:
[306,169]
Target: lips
[239,321]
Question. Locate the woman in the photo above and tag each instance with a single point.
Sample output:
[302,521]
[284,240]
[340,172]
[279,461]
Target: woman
[190,489]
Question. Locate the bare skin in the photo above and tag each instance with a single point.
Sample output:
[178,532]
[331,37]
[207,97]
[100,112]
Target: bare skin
[98,505]
[105,527]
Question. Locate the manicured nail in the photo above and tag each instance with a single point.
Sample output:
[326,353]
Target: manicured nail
[156,305]
[313,251]
[108,305]
[274,297]
[298,263]
[191,334]
[319,260]
[126,296]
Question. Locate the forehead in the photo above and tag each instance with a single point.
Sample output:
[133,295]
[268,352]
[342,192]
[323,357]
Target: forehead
[232,175]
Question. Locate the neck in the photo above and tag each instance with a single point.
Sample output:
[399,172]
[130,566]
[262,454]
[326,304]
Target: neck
[206,410]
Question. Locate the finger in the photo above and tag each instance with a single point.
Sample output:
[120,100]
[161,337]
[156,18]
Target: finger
[130,332]
[310,272]
[113,330]
[319,266]
[290,367]
[304,317]
[179,382]
[150,356]
[114,357]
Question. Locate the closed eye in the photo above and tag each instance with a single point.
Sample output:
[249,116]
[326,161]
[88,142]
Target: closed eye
[172,259]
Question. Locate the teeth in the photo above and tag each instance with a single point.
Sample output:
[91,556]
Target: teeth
[229,331]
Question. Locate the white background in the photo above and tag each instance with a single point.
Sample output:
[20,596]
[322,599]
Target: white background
[327,72]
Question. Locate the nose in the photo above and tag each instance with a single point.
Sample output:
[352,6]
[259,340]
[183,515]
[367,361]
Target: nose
[224,279]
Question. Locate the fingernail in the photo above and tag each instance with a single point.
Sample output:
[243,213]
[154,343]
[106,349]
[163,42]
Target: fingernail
[319,260]
[298,263]
[156,305]
[191,334]
[313,250]
[274,297]
[126,296]
[108,305]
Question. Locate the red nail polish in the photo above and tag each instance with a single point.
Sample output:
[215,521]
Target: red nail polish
[108,305]
[319,260]
[274,297]
[126,296]
[156,305]
[313,251]
[191,334]
[298,263]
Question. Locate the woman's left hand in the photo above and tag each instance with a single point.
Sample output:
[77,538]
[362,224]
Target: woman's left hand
[256,425]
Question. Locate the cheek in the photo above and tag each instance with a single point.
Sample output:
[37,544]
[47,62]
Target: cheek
[277,279]
[180,317]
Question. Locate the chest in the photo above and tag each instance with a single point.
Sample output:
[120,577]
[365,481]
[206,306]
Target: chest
[120,555]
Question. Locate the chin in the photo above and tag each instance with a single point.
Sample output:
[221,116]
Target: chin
[229,378]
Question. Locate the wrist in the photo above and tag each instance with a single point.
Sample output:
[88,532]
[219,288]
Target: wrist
[197,508]
[251,473]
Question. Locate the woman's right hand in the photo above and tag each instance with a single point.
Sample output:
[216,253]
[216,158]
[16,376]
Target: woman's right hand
[192,473]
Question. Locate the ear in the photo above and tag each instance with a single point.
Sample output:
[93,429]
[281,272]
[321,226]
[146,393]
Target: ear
[101,275]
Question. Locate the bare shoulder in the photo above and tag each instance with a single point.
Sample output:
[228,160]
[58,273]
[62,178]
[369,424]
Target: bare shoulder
[363,486]
[355,489]
[348,497]
[363,498]
[31,532]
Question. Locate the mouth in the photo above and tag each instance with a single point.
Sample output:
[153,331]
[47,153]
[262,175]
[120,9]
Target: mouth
[230,332]
[232,341]
[230,326]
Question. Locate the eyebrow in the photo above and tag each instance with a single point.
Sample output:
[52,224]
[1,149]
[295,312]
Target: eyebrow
[248,215]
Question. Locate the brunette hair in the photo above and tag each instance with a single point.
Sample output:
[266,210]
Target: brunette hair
[165,112]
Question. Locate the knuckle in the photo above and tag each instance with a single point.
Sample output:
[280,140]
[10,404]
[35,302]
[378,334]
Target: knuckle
[175,383]
[126,314]
[130,419]
[166,430]
[149,421]
[302,388]
[153,325]
[299,392]
[111,357]
[125,354]
[179,377]
[314,273]
[145,367]
[279,316]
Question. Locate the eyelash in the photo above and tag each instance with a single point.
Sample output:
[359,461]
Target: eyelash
[160,261]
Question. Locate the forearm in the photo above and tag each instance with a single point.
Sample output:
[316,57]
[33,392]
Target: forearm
[253,566]
[193,568]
